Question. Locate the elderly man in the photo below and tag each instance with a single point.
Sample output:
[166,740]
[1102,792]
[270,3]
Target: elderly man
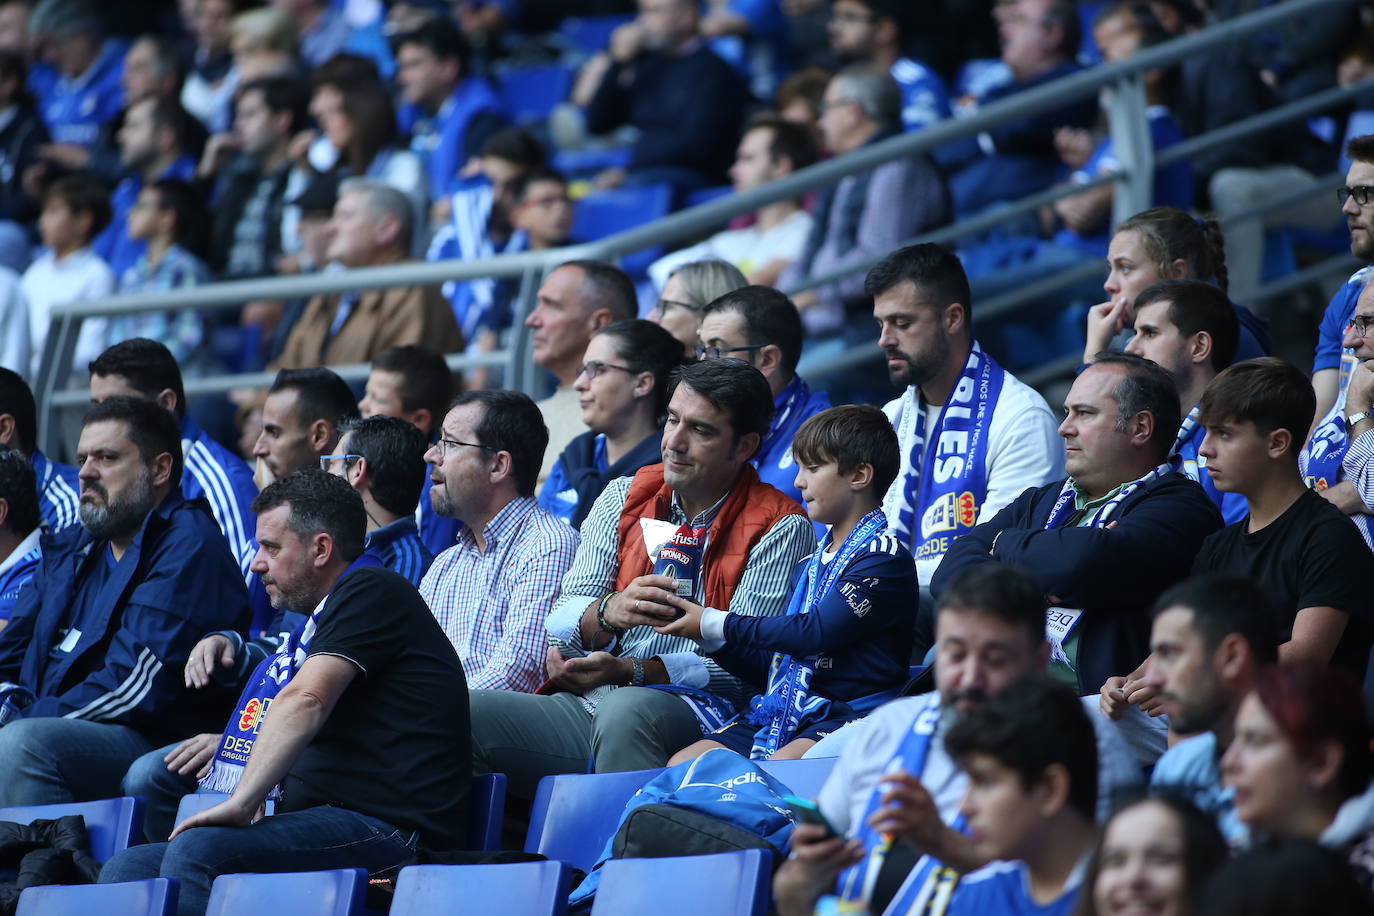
[95,646]
[700,527]
[373,225]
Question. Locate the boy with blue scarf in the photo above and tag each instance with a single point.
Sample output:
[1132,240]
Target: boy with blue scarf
[842,647]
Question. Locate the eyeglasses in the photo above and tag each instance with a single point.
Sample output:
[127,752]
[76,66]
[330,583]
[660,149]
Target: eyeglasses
[823,107]
[443,445]
[595,368]
[327,461]
[1360,323]
[718,352]
[665,304]
[1360,192]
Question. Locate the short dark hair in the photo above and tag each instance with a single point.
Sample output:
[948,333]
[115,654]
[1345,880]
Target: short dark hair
[281,94]
[1285,876]
[168,113]
[320,395]
[441,38]
[789,140]
[1225,603]
[769,318]
[605,286]
[1065,15]
[1145,387]
[646,347]
[151,428]
[395,453]
[426,380]
[851,435]
[1197,306]
[1265,391]
[320,504]
[934,269]
[1360,149]
[521,185]
[83,192]
[1004,591]
[147,365]
[513,144]
[16,399]
[19,490]
[186,204]
[1029,726]
[734,386]
[511,422]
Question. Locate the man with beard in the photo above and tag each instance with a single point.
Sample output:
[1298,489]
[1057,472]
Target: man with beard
[94,651]
[972,435]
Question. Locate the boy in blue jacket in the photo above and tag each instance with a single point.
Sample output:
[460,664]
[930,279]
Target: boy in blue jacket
[843,645]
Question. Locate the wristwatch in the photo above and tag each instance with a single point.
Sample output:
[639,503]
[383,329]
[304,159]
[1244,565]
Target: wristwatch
[636,673]
[1354,418]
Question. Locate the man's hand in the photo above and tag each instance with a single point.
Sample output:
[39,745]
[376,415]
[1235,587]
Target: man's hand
[1359,393]
[583,673]
[232,812]
[193,756]
[215,649]
[643,603]
[298,150]
[67,156]
[689,624]
[610,179]
[817,859]
[1105,321]
[1113,699]
[1345,497]
[907,810]
[1145,696]
[627,41]
[806,299]
[219,151]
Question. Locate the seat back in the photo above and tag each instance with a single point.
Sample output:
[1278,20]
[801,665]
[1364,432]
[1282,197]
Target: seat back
[526,888]
[338,892]
[530,93]
[590,34]
[487,807]
[724,884]
[575,813]
[113,823]
[605,213]
[803,778]
[153,897]
[199,801]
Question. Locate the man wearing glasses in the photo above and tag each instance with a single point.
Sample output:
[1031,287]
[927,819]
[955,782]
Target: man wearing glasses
[492,590]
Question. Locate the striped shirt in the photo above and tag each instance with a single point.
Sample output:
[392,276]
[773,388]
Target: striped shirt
[399,548]
[492,603]
[59,492]
[1357,466]
[762,592]
[222,478]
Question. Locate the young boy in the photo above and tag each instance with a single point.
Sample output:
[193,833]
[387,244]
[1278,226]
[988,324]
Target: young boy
[76,208]
[541,209]
[1030,753]
[842,647]
[165,216]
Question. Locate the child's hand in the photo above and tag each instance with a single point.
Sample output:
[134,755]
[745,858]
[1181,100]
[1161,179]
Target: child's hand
[688,625]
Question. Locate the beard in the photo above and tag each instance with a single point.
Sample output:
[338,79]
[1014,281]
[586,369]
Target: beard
[1363,248]
[118,517]
[921,368]
[300,600]
[442,503]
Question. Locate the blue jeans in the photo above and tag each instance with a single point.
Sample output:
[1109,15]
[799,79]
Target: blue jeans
[161,790]
[311,840]
[49,761]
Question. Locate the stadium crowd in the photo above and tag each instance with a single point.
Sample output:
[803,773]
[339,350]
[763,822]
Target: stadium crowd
[1108,656]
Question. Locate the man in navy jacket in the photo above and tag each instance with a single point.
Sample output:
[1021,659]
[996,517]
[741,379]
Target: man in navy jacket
[1107,540]
[95,649]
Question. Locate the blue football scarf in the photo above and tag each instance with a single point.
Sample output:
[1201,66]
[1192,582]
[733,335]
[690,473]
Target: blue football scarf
[946,479]
[1325,451]
[788,701]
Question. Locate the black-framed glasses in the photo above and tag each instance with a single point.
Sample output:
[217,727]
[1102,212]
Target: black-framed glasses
[665,304]
[594,368]
[718,352]
[1360,324]
[443,445]
[1360,192]
[327,462]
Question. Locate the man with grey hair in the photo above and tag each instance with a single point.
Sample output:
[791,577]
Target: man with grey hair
[855,221]
[371,227]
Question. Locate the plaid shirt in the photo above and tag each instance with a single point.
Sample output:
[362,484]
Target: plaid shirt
[493,604]
[181,329]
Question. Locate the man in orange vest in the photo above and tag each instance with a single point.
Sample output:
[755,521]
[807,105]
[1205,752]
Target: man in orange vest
[701,526]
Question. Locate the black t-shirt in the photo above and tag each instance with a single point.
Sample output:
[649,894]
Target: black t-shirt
[398,744]
[1310,556]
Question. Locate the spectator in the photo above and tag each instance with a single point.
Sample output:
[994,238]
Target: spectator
[771,148]
[449,110]
[492,591]
[75,210]
[110,687]
[541,214]
[611,597]
[78,83]
[623,392]
[798,100]
[414,384]
[689,288]
[1285,878]
[153,147]
[57,485]
[146,369]
[323,31]
[372,226]
[14,27]
[1157,852]
[872,32]
[21,138]
[922,304]
[211,81]
[761,326]
[264,43]
[383,458]
[20,551]
[151,70]
[370,767]
[1121,503]
[575,300]
[854,220]
[686,103]
[824,664]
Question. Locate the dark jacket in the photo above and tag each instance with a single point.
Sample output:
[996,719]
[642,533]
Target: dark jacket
[1114,574]
[579,462]
[44,852]
[19,143]
[235,190]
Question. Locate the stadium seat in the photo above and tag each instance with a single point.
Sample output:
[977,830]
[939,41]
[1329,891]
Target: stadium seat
[339,892]
[724,884]
[154,897]
[605,213]
[199,801]
[523,888]
[113,823]
[530,93]
[706,195]
[590,34]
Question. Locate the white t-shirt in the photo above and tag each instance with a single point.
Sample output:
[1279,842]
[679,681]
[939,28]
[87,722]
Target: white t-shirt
[80,276]
[14,325]
[748,249]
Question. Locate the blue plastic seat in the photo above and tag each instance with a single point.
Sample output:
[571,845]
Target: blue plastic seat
[153,897]
[523,888]
[113,823]
[706,195]
[530,93]
[199,801]
[607,212]
[590,34]
[725,884]
[339,892]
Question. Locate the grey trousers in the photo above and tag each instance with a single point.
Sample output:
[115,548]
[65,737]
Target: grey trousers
[528,737]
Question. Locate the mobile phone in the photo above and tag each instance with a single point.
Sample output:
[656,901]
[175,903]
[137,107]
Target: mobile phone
[808,812]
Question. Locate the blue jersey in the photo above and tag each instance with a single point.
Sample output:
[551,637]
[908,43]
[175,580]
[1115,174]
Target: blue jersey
[792,406]
[1004,888]
[59,492]
[1330,354]
[400,549]
[76,109]
[17,569]
[1233,506]
[441,139]
[925,100]
[222,478]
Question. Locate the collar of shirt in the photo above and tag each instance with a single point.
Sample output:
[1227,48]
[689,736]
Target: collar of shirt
[21,550]
[503,523]
[390,532]
[678,516]
[1082,503]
